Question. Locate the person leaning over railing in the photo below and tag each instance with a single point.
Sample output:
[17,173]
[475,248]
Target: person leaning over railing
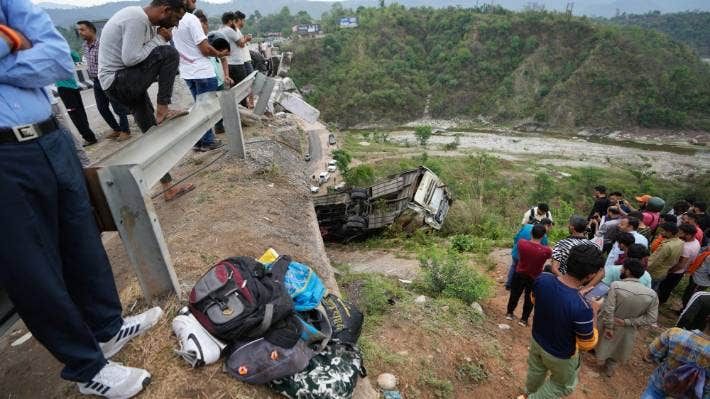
[52,263]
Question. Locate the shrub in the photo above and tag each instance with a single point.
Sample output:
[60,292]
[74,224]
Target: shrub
[462,243]
[447,273]
[360,176]
[423,133]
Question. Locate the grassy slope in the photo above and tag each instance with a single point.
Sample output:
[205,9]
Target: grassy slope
[565,71]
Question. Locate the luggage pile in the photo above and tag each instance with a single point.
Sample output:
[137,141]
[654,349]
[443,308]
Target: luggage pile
[274,322]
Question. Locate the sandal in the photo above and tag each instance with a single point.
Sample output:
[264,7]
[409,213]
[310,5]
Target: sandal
[182,190]
[172,114]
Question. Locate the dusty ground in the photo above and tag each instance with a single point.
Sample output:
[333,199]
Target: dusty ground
[424,353]
[237,208]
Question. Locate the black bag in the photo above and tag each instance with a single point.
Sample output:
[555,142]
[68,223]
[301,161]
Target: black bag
[345,319]
[239,298]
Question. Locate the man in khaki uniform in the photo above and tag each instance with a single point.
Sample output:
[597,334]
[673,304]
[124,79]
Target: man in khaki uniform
[628,306]
[667,255]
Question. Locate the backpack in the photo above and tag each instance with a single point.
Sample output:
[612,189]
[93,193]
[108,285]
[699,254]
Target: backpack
[685,381]
[260,361]
[331,374]
[239,298]
[345,319]
[265,359]
[303,284]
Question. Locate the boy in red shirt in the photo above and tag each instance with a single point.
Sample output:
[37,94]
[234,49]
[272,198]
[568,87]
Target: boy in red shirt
[532,256]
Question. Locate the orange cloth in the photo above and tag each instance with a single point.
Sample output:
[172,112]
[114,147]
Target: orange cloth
[657,243]
[697,262]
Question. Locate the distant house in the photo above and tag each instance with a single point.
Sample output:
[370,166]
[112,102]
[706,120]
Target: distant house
[306,29]
[348,22]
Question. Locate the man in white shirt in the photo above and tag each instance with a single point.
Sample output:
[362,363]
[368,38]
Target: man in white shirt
[627,224]
[237,45]
[195,66]
[691,248]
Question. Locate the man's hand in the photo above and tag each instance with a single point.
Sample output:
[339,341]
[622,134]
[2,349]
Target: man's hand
[619,322]
[228,81]
[608,334]
[247,38]
[596,305]
[166,33]
[222,53]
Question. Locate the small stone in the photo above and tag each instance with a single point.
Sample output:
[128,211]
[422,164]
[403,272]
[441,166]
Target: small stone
[420,299]
[593,374]
[387,381]
[504,326]
[445,308]
[468,359]
[403,353]
[477,308]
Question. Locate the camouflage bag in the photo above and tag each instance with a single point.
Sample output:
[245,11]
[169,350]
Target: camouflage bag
[331,374]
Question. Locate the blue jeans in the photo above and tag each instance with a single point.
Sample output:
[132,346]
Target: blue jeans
[652,392]
[102,104]
[54,267]
[197,87]
[511,273]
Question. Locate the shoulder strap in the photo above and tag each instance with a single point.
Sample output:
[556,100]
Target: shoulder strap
[279,267]
[531,217]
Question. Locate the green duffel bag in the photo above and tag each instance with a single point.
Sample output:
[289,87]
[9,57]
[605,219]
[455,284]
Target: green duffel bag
[331,374]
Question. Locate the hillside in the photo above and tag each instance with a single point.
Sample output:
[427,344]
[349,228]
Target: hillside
[565,71]
[691,28]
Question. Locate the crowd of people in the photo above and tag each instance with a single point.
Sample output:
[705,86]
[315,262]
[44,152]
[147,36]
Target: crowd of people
[593,290]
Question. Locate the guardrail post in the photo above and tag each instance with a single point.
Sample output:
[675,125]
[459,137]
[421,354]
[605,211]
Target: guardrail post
[137,223]
[232,124]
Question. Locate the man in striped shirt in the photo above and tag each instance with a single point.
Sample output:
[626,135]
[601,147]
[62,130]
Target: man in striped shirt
[674,348]
[560,253]
[563,323]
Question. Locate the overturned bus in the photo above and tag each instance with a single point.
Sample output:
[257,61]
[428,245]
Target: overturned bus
[415,199]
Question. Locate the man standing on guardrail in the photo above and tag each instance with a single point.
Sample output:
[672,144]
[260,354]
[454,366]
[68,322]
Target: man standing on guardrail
[195,67]
[133,55]
[90,48]
[52,262]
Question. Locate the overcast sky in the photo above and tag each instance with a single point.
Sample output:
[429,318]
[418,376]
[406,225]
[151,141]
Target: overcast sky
[95,2]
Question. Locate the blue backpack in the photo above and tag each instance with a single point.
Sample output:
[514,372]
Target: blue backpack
[303,284]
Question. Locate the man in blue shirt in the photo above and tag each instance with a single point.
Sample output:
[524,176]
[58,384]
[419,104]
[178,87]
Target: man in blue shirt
[563,324]
[52,263]
[525,233]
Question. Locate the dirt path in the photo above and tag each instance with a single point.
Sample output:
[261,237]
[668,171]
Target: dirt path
[504,352]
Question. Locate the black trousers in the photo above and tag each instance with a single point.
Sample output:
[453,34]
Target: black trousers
[75,108]
[52,262]
[237,73]
[522,283]
[130,87]
[665,288]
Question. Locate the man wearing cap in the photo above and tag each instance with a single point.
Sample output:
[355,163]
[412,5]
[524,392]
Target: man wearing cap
[651,217]
[667,255]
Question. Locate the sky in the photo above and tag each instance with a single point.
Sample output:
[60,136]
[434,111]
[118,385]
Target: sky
[94,2]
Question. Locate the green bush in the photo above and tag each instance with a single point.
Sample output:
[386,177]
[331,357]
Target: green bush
[447,273]
[423,134]
[360,176]
[378,293]
[463,243]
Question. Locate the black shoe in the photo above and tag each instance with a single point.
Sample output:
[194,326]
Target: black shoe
[215,145]
[88,143]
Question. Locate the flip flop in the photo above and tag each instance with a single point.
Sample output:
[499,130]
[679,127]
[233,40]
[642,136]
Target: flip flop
[181,191]
[172,114]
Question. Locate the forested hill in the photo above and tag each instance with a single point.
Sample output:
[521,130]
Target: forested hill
[566,71]
[692,28]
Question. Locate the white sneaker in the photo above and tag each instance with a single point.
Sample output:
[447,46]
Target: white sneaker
[132,327]
[116,381]
[197,346]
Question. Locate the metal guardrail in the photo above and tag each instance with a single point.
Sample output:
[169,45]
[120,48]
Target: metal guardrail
[126,177]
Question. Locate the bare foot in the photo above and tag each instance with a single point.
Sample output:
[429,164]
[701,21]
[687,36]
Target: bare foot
[177,191]
[163,113]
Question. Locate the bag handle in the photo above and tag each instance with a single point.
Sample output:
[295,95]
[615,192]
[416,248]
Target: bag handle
[266,321]
[279,267]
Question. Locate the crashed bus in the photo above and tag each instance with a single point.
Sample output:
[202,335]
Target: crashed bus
[414,199]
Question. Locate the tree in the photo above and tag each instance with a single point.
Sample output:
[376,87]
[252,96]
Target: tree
[342,160]
[423,134]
